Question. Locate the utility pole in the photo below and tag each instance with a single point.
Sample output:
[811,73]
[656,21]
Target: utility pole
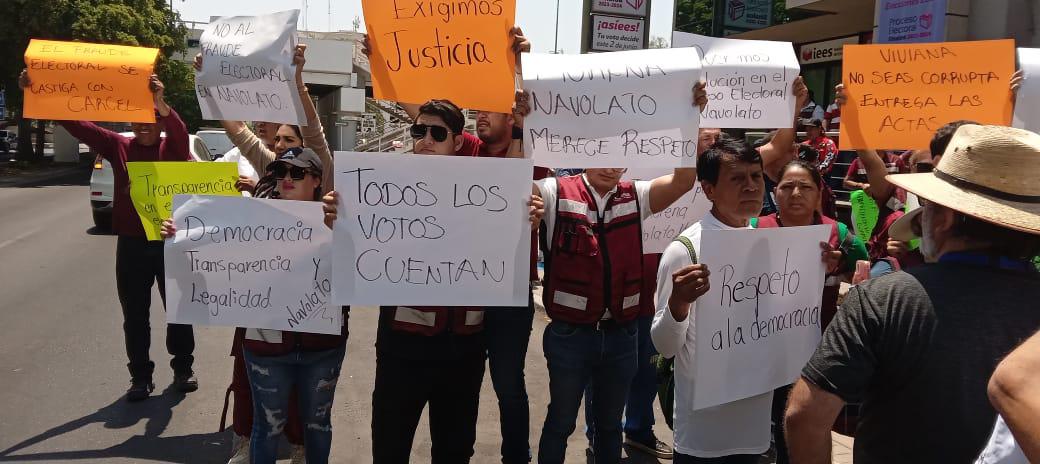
[556,43]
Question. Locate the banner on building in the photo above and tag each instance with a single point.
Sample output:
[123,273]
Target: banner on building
[760,322]
[621,109]
[246,262]
[911,21]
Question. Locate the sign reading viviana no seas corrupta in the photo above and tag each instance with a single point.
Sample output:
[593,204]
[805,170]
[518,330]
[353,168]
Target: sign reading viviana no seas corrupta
[459,51]
[78,81]
[899,94]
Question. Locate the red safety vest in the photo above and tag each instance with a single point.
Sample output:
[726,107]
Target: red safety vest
[595,262]
[829,304]
[430,321]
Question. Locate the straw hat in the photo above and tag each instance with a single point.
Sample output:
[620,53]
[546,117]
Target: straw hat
[988,172]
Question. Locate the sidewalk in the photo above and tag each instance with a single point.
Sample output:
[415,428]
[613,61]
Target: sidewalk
[841,445]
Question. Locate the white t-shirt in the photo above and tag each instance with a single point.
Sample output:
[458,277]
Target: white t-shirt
[548,188]
[1002,448]
[740,427]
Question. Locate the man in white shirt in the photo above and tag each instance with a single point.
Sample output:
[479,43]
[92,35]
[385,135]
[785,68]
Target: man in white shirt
[731,176]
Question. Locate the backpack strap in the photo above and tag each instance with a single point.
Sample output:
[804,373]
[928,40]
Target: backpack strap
[689,247]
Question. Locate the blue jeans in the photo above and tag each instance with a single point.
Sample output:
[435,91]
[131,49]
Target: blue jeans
[639,409]
[271,378]
[579,355]
[508,332]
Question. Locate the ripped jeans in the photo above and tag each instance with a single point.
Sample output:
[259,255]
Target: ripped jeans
[270,378]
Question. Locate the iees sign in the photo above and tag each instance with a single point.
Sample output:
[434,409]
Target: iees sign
[621,7]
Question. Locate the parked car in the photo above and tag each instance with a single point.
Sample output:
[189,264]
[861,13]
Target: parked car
[217,141]
[102,180]
[8,141]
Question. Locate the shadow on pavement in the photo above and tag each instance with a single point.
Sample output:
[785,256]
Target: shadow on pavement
[73,176]
[95,230]
[157,411]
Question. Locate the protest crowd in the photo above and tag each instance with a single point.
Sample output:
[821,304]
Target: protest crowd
[759,328]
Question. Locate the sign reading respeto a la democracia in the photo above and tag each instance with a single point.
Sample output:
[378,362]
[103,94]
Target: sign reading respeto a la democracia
[460,51]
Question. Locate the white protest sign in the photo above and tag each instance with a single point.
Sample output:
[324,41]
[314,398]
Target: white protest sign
[247,69]
[660,229]
[748,81]
[246,262]
[620,109]
[431,230]
[1027,114]
[760,322]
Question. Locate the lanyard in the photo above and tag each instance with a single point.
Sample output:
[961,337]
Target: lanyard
[981,259]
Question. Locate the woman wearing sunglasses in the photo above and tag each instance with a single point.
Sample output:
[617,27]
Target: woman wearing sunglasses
[290,368]
[798,196]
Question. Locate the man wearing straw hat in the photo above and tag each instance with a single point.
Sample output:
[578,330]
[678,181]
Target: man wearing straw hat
[918,347]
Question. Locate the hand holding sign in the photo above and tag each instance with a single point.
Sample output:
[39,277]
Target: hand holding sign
[688,284]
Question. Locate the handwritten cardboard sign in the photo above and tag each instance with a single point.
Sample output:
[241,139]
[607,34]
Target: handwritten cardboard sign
[248,71]
[460,51]
[153,185]
[245,262]
[898,95]
[1027,113]
[659,230]
[760,322]
[621,109]
[76,81]
[431,230]
[748,81]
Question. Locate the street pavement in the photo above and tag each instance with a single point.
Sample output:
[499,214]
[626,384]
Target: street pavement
[62,359]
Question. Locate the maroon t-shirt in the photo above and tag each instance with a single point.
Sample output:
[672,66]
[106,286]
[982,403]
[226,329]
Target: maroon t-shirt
[119,150]
[473,146]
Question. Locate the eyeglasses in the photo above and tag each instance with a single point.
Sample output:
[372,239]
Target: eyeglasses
[439,133]
[295,172]
[924,167]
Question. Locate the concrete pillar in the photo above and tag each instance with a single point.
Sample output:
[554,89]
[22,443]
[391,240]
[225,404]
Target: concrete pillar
[1004,19]
[66,147]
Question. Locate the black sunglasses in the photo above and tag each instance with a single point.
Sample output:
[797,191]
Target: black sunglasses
[924,167]
[295,172]
[439,133]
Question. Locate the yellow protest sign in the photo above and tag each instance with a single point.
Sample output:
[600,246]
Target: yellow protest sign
[89,82]
[153,185]
[898,95]
[459,51]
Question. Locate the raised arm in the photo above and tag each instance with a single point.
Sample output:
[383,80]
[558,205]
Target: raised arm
[177,144]
[313,132]
[879,187]
[779,148]
[1014,391]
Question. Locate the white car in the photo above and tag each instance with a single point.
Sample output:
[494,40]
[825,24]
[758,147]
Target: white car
[217,141]
[102,180]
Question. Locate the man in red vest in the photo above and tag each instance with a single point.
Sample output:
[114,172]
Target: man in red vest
[594,294]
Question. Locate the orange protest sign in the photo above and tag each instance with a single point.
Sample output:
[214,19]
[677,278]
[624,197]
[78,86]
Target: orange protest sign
[89,82]
[898,95]
[460,51]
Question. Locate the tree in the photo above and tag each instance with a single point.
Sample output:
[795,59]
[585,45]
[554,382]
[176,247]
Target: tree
[696,16]
[145,23]
[659,42]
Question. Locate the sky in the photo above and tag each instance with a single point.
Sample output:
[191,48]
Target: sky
[534,16]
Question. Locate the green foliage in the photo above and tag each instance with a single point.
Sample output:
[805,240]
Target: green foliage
[145,23]
[696,15]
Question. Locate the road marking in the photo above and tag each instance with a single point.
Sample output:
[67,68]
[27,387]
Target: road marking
[20,237]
